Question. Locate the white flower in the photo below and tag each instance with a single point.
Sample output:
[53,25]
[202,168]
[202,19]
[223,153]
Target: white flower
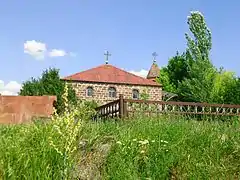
[144,142]
[162,141]
[118,142]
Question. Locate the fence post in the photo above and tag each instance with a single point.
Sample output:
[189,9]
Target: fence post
[121,106]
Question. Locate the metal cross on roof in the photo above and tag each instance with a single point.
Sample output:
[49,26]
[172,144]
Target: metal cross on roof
[107,54]
[154,54]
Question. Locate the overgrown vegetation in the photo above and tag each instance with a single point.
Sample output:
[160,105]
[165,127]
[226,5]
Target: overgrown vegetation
[173,148]
[154,148]
[43,150]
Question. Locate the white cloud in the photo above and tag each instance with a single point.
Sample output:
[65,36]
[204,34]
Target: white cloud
[57,53]
[39,50]
[35,49]
[142,73]
[11,88]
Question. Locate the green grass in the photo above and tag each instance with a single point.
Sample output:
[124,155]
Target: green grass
[175,147]
[180,148]
[25,153]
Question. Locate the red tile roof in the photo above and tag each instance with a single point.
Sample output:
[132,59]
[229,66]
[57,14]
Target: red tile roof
[110,74]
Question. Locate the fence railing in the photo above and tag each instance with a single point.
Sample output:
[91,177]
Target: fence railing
[128,107]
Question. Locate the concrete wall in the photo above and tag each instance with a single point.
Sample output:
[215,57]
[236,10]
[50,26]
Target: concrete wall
[21,109]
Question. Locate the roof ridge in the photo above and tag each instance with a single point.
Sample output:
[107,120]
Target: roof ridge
[84,71]
[105,70]
[137,75]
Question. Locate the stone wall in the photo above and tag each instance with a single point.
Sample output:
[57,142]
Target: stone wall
[21,109]
[101,91]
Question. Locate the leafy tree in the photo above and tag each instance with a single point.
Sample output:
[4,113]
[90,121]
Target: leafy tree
[166,81]
[49,84]
[192,75]
[224,80]
[198,86]
[199,47]
[175,72]
[232,92]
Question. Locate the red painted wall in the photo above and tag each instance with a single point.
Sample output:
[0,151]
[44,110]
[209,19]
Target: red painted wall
[21,109]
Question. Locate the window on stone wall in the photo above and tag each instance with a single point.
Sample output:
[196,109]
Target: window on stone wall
[112,92]
[89,91]
[135,94]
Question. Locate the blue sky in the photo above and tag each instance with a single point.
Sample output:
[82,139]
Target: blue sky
[74,34]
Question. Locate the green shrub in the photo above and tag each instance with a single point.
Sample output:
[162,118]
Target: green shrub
[49,84]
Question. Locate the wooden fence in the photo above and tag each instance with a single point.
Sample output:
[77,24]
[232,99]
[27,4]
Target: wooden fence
[128,107]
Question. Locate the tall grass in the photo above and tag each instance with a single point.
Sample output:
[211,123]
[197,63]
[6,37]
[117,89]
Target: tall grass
[25,153]
[42,150]
[144,148]
[171,148]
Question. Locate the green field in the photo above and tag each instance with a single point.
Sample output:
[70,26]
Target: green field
[141,148]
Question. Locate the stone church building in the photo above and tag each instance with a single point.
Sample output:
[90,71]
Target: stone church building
[106,82]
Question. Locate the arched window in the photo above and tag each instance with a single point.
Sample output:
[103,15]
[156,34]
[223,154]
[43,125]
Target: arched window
[112,92]
[89,91]
[135,94]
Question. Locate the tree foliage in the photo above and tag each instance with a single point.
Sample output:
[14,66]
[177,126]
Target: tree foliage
[193,76]
[198,86]
[199,46]
[49,84]
[175,72]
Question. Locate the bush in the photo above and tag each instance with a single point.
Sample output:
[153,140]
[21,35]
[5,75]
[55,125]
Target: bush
[49,84]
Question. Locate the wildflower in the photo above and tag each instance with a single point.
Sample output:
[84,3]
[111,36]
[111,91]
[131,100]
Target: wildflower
[142,152]
[144,142]
[162,141]
[224,137]
[118,142]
